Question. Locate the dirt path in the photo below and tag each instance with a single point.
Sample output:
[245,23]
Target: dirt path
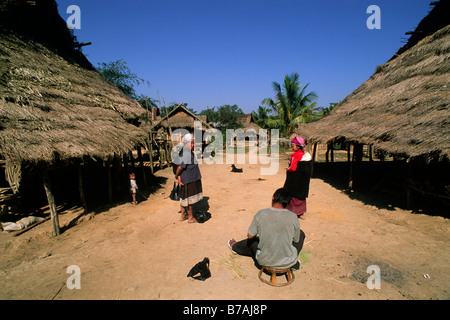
[144,252]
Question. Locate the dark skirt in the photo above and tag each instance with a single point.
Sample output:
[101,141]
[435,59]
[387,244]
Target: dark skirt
[297,206]
[191,193]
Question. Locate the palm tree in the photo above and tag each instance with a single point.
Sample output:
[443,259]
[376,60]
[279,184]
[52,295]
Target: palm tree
[261,116]
[291,103]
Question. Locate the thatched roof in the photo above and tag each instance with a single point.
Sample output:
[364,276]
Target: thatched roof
[404,108]
[53,104]
[247,122]
[181,117]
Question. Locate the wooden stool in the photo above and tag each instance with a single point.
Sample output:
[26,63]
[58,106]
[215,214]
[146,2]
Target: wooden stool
[273,276]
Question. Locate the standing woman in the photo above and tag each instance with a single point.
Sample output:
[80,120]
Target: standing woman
[298,176]
[189,178]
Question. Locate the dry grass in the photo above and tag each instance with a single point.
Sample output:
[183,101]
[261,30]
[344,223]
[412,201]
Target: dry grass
[228,262]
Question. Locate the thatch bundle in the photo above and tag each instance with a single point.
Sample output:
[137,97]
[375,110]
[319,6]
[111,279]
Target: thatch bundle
[403,109]
[56,106]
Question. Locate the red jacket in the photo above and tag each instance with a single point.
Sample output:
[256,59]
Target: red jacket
[295,158]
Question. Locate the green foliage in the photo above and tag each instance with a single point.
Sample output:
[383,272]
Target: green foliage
[224,117]
[146,102]
[292,104]
[119,74]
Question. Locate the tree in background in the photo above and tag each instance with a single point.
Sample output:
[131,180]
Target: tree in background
[266,119]
[225,117]
[119,74]
[292,104]
[261,116]
[327,110]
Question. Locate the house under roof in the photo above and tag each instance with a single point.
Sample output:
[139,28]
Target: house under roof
[56,110]
[181,118]
[404,108]
[57,107]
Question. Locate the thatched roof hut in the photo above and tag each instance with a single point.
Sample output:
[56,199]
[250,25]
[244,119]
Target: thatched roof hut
[247,122]
[55,108]
[181,118]
[53,104]
[404,108]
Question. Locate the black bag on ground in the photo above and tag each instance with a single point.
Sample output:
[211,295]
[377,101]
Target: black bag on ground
[175,193]
[202,216]
[202,268]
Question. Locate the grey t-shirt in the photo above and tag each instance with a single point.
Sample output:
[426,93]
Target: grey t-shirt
[277,229]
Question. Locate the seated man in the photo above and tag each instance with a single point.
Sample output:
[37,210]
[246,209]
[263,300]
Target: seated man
[274,238]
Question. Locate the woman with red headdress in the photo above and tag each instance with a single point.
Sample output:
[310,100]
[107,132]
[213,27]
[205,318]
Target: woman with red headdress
[298,176]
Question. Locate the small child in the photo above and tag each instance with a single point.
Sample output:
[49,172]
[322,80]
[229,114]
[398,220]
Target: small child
[133,187]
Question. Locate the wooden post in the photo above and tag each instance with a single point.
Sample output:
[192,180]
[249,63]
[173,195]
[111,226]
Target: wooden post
[167,115]
[327,153]
[150,151]
[141,165]
[352,161]
[408,188]
[80,188]
[130,154]
[314,152]
[125,162]
[51,203]
[168,150]
[109,177]
[348,152]
[313,158]
[332,152]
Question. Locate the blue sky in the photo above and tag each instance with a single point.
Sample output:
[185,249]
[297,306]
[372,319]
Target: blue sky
[214,52]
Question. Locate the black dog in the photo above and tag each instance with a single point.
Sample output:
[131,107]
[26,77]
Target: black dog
[202,268]
[234,169]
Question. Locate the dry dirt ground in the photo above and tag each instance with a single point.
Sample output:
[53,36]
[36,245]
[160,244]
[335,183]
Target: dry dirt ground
[144,252]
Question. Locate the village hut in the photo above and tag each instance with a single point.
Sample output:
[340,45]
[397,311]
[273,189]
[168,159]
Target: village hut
[180,118]
[57,112]
[248,122]
[168,131]
[402,110]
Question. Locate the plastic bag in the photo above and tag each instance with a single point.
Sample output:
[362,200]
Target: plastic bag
[175,193]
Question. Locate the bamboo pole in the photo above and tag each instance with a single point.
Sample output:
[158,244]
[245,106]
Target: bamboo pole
[167,115]
[51,202]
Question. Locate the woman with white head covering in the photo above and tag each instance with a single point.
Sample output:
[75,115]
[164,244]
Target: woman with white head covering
[189,178]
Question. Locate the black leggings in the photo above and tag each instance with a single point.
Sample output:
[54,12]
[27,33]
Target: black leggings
[248,247]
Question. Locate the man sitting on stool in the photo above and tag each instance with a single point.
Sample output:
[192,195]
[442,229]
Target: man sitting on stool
[274,238]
